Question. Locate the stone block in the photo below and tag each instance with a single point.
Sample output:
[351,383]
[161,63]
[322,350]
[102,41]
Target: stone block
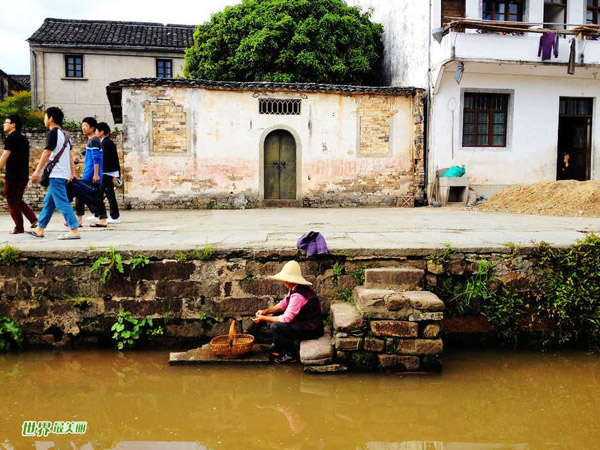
[394,328]
[420,346]
[436,269]
[467,324]
[238,306]
[263,286]
[394,278]
[165,270]
[317,351]
[396,302]
[429,316]
[373,303]
[118,287]
[396,362]
[374,345]
[186,289]
[327,369]
[431,331]
[348,344]
[188,329]
[346,317]
[423,301]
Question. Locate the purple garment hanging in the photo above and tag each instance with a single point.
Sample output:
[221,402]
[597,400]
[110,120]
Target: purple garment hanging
[548,42]
[314,243]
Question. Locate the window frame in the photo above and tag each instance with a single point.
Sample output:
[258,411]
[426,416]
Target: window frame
[75,57]
[595,10]
[507,123]
[495,10]
[170,64]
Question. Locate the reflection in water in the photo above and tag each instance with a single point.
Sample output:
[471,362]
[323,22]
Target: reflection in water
[482,401]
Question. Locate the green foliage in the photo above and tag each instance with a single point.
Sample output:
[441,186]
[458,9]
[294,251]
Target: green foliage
[477,288]
[503,309]
[139,261]
[443,257]
[363,361]
[208,252]
[359,275]
[112,261]
[569,289]
[319,41]
[128,329]
[81,302]
[10,255]
[247,278]
[20,103]
[10,334]
[346,295]
[338,271]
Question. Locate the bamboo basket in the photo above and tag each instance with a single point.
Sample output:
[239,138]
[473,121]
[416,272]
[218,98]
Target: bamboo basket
[232,345]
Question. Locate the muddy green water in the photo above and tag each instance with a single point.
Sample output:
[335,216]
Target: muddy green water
[482,401]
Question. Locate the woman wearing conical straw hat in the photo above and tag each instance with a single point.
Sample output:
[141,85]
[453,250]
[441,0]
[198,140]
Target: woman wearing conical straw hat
[296,317]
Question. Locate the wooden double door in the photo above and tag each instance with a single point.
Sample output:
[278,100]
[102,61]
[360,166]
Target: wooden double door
[280,166]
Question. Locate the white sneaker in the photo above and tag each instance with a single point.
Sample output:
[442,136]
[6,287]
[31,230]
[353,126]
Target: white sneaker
[91,219]
[111,220]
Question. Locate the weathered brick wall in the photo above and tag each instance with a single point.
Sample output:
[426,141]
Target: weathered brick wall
[34,194]
[201,148]
[57,302]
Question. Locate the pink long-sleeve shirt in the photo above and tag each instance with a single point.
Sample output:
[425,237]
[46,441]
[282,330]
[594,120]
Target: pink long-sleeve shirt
[291,306]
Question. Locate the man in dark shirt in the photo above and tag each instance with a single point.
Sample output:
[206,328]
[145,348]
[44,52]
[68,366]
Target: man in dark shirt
[16,160]
[110,170]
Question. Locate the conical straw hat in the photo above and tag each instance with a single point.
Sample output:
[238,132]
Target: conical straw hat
[291,273]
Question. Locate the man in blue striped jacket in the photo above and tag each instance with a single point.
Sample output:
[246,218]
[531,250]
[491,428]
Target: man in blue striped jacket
[92,174]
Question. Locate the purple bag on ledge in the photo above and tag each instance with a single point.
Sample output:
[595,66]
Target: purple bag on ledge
[314,244]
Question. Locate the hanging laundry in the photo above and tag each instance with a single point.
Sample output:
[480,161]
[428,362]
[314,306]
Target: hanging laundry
[571,65]
[314,243]
[548,43]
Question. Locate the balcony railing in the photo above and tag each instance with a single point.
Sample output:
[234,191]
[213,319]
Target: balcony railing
[460,24]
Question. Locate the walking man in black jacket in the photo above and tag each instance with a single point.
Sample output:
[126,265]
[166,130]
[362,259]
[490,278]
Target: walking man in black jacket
[110,170]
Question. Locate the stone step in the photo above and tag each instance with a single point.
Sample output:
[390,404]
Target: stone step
[346,317]
[317,352]
[395,278]
[394,305]
[328,369]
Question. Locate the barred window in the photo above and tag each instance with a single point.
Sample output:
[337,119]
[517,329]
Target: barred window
[279,106]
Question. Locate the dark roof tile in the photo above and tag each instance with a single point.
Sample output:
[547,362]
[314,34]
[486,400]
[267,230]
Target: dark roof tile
[112,34]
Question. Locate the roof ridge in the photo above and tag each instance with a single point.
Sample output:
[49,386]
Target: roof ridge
[126,22]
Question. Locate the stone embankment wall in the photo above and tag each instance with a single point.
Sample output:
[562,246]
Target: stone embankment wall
[34,194]
[59,303]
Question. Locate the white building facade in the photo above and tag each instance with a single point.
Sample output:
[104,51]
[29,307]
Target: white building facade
[506,114]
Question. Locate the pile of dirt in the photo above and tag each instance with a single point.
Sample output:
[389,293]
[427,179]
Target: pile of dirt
[552,198]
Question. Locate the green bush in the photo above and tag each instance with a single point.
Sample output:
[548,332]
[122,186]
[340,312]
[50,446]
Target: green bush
[112,261]
[10,255]
[20,103]
[10,334]
[298,41]
[569,290]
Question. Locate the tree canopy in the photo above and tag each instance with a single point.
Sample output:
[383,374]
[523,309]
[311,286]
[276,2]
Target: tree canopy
[300,41]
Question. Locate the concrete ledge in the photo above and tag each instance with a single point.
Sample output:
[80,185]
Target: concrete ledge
[205,356]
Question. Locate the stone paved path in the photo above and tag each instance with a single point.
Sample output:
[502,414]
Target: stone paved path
[386,230]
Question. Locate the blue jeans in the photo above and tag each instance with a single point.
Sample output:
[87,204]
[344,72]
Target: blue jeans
[56,197]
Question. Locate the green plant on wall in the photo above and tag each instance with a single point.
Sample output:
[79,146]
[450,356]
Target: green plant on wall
[127,330]
[112,261]
[442,258]
[10,255]
[359,275]
[207,252]
[569,289]
[338,270]
[139,261]
[477,288]
[10,334]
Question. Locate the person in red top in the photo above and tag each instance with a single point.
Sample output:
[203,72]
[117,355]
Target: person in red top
[296,317]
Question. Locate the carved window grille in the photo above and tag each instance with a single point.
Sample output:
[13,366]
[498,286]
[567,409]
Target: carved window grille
[279,106]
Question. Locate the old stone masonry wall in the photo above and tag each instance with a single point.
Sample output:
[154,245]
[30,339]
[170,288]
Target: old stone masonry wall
[58,302]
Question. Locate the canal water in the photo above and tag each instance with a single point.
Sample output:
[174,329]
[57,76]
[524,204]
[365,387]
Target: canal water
[134,400]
